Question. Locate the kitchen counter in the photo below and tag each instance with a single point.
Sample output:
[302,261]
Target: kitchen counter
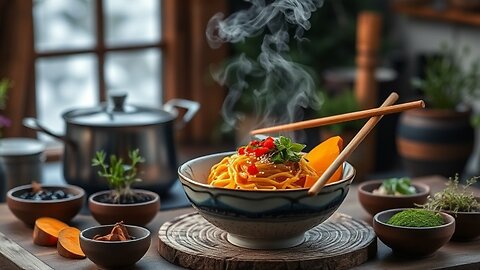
[17,250]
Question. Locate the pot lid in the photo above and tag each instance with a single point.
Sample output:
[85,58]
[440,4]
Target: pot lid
[20,147]
[117,114]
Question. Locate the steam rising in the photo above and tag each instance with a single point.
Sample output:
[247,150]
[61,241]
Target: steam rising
[286,86]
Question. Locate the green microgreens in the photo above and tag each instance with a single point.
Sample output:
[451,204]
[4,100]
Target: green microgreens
[286,150]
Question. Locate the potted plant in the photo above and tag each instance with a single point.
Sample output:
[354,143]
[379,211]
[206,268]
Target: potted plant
[457,201]
[439,139]
[121,202]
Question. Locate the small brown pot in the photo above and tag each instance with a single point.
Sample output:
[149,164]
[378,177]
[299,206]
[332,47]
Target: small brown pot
[135,214]
[374,203]
[467,225]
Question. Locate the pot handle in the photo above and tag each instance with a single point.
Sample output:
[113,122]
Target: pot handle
[191,106]
[35,125]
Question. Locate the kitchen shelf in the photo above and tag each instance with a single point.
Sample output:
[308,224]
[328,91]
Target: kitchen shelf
[449,15]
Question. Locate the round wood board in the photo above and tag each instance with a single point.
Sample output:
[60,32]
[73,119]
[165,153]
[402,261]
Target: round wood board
[341,242]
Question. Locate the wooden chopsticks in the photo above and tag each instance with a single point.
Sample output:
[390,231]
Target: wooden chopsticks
[359,137]
[342,117]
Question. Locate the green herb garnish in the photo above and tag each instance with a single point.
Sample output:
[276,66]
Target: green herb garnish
[402,186]
[416,218]
[286,150]
[454,197]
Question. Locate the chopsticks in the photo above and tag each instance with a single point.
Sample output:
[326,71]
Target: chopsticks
[342,117]
[359,137]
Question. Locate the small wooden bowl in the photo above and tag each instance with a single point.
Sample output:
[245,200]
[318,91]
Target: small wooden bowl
[115,254]
[29,210]
[374,203]
[136,213]
[413,241]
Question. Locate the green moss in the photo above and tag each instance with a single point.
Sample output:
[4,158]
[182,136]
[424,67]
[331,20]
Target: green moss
[416,218]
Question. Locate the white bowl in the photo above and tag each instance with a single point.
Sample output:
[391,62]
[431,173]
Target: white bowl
[260,219]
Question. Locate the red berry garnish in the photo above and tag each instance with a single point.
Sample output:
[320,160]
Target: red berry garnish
[269,143]
[252,169]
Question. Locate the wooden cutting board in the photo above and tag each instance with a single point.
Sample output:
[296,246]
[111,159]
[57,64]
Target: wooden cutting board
[341,242]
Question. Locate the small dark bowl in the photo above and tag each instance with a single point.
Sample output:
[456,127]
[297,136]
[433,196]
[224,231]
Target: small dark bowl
[467,225]
[136,213]
[412,240]
[29,210]
[115,254]
[374,203]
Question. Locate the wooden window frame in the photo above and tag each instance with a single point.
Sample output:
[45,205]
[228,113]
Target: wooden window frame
[186,62]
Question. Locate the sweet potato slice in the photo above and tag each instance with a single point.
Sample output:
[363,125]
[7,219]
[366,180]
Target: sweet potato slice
[322,156]
[45,232]
[68,244]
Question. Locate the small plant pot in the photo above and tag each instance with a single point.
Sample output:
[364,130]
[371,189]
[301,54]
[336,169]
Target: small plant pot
[467,225]
[133,213]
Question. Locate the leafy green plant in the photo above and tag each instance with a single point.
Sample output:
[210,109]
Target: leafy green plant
[446,83]
[120,176]
[454,197]
[344,102]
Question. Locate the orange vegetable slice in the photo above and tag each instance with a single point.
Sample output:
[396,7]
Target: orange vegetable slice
[322,156]
[68,244]
[45,232]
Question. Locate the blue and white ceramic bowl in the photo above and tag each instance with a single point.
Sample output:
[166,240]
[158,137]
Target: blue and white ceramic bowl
[260,219]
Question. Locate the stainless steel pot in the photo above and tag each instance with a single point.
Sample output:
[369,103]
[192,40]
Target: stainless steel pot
[118,128]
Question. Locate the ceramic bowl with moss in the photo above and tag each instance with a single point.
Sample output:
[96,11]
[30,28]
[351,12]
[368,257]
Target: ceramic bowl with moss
[413,232]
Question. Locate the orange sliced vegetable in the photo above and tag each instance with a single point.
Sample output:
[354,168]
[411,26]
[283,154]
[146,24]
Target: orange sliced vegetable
[45,232]
[68,244]
[322,156]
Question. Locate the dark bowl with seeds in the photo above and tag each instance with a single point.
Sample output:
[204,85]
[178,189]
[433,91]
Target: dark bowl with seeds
[29,202]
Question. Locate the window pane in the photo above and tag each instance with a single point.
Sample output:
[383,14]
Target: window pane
[137,73]
[129,22]
[65,83]
[61,24]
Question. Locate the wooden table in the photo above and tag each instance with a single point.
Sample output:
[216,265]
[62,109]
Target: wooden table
[17,250]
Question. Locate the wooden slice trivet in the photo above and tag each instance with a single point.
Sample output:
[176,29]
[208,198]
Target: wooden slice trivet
[340,242]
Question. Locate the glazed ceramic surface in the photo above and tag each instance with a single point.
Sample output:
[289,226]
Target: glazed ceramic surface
[374,203]
[115,254]
[136,213]
[29,210]
[260,219]
[411,240]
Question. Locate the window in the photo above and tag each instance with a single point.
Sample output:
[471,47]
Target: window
[85,49]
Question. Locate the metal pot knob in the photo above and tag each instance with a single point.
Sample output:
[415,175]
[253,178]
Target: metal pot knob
[118,100]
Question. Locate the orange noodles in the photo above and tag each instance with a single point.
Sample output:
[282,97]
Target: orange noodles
[267,164]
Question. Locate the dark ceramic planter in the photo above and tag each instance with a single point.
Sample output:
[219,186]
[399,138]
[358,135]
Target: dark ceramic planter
[435,141]
[374,203]
[115,254]
[29,210]
[467,225]
[412,241]
[134,214]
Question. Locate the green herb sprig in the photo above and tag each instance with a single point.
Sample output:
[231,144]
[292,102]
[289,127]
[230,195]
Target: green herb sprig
[399,185]
[120,176]
[286,151]
[454,197]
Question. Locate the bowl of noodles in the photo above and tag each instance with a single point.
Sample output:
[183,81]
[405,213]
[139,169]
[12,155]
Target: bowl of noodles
[266,207]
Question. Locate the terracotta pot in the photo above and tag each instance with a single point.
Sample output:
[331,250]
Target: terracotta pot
[435,141]
[134,214]
[374,203]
